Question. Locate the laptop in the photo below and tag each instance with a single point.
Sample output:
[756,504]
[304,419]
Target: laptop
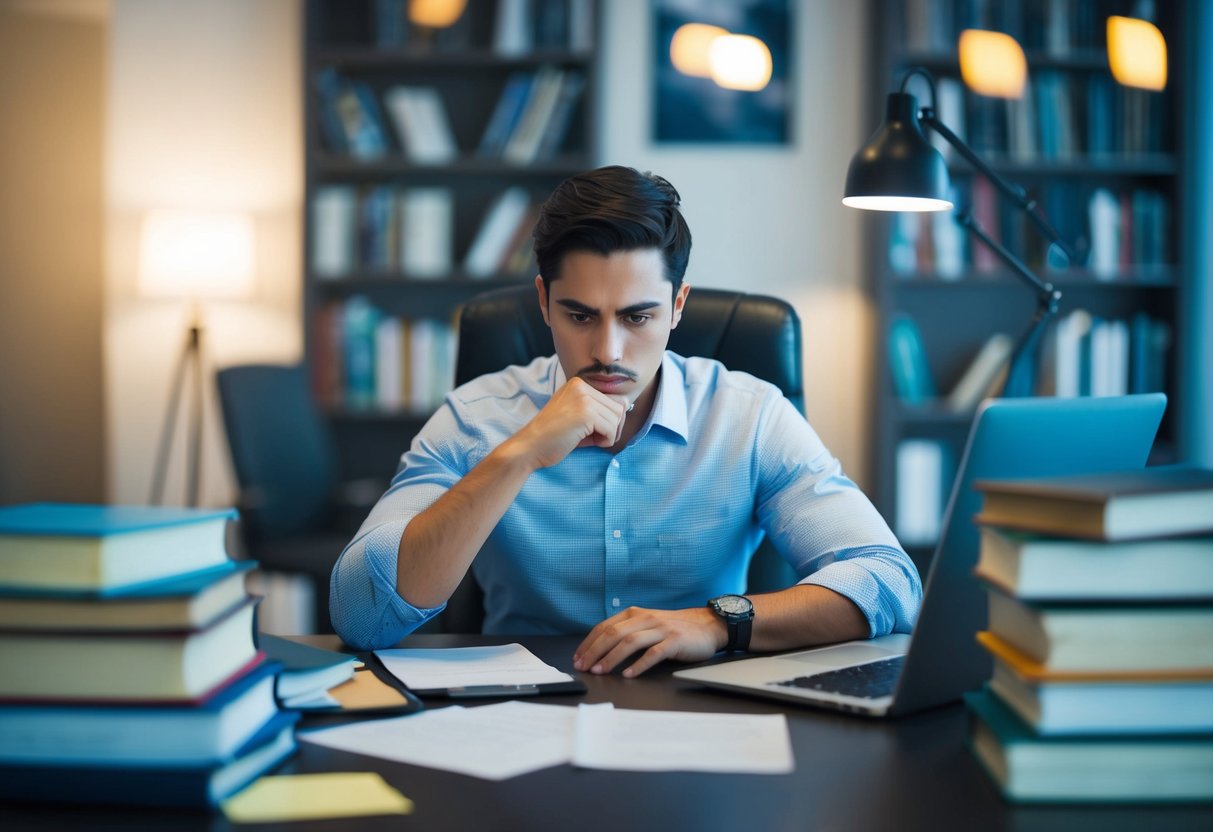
[897,674]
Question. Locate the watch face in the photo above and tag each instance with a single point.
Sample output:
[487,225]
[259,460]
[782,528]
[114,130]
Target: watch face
[734,604]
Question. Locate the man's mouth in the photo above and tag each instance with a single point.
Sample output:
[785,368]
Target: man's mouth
[607,383]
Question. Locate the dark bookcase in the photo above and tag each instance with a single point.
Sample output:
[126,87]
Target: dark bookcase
[421,141]
[1104,161]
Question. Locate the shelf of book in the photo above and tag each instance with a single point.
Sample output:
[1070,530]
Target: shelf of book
[329,166]
[1104,163]
[403,59]
[428,151]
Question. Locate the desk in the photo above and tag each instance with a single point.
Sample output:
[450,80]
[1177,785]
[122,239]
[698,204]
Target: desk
[851,774]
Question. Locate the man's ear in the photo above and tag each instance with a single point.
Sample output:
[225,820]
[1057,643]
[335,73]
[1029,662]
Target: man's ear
[543,299]
[680,300]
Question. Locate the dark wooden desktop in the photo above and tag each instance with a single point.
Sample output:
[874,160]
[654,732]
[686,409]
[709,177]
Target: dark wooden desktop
[851,774]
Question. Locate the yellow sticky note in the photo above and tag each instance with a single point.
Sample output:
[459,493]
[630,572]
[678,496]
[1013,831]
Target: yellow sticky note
[315,796]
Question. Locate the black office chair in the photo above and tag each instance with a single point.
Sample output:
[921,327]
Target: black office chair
[296,514]
[754,333]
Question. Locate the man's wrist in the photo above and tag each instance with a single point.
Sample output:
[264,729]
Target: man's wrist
[516,455]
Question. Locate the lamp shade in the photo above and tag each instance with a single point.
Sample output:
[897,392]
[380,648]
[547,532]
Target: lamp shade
[190,254]
[898,169]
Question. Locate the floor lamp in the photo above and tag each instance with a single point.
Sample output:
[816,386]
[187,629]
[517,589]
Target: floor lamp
[194,256]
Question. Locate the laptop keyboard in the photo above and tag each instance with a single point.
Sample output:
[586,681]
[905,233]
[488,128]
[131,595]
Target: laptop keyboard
[865,681]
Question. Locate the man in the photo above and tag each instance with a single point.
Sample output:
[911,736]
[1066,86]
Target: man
[618,488]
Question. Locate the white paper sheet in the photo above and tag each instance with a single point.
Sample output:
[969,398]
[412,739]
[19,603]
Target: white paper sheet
[631,740]
[493,742]
[452,667]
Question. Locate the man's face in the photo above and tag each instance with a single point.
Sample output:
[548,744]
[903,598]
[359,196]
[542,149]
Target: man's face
[611,319]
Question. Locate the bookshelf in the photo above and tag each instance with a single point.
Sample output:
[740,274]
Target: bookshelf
[428,150]
[1105,163]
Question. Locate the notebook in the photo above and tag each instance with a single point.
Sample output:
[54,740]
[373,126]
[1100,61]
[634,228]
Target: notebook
[896,674]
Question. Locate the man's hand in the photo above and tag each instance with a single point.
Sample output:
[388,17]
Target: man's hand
[575,417]
[689,635]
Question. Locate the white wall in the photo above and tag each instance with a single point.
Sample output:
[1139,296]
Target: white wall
[769,219]
[203,112]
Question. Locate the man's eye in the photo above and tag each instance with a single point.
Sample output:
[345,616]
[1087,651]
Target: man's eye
[579,317]
[637,320]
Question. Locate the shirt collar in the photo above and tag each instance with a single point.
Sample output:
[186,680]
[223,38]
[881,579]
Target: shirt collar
[670,404]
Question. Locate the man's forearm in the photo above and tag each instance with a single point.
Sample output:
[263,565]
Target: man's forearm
[804,615]
[440,543]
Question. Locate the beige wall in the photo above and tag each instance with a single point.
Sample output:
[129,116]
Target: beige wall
[203,113]
[51,113]
[770,219]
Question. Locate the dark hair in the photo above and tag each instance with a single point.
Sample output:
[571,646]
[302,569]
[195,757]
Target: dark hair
[608,210]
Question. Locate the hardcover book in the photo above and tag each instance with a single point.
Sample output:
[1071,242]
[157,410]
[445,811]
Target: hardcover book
[65,546]
[123,734]
[1126,505]
[1098,637]
[1111,768]
[193,787]
[138,667]
[185,602]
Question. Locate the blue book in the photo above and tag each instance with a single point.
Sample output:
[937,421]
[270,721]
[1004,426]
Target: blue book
[183,602]
[1106,768]
[196,787]
[306,670]
[67,546]
[505,115]
[123,734]
[908,362]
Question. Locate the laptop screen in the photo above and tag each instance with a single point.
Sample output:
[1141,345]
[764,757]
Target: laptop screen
[1010,439]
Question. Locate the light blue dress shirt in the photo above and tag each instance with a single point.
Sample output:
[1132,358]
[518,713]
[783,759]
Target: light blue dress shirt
[668,522]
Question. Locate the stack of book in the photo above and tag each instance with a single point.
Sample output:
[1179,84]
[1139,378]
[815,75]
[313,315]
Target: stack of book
[128,667]
[1101,629]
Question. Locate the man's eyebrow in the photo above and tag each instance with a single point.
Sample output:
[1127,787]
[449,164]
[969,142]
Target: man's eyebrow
[577,306]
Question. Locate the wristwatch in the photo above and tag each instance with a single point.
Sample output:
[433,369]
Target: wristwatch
[738,614]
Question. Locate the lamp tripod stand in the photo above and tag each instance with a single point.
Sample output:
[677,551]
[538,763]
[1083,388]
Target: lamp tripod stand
[190,359]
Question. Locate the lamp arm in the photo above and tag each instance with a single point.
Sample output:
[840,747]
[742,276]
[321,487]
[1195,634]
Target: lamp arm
[1045,291]
[1009,189]
[1048,299]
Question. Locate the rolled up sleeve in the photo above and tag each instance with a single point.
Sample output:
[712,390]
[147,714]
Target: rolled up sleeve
[367,609]
[827,529]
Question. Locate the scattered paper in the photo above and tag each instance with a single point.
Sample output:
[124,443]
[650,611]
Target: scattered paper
[454,667]
[493,742]
[496,742]
[632,740]
[314,797]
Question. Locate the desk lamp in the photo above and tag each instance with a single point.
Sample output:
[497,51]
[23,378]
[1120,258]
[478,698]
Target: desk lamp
[194,256]
[899,170]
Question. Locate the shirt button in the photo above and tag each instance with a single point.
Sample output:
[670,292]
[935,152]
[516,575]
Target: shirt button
[614,602]
[614,463]
[616,534]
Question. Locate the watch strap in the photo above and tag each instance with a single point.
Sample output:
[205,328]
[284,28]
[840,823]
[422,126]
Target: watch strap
[739,634]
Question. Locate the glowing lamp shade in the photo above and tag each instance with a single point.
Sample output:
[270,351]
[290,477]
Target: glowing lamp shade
[898,169]
[185,254]
[740,62]
[690,46]
[1137,53]
[992,63]
[436,14]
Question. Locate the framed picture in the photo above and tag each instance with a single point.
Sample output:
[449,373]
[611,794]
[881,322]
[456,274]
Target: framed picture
[722,70]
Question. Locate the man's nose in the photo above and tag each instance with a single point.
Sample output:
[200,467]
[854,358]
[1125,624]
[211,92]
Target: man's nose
[608,347]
